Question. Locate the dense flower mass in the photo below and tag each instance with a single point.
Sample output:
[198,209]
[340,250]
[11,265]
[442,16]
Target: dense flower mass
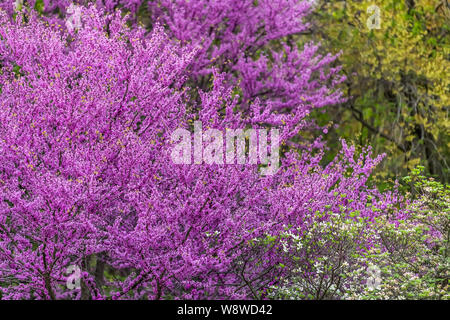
[234,36]
[87,109]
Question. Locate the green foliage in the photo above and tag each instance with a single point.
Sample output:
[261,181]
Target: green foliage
[411,252]
[416,262]
[39,6]
[398,84]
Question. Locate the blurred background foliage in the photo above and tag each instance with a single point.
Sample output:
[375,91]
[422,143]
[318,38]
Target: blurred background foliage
[397,81]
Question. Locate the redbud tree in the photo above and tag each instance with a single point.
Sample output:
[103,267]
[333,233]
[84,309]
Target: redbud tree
[252,42]
[86,176]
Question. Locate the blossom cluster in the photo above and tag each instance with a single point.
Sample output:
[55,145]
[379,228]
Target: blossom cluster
[86,173]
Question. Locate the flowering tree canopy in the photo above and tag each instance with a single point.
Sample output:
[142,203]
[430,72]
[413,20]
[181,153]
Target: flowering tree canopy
[86,174]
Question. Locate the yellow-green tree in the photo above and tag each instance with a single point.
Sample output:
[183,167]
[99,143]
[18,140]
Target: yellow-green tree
[398,78]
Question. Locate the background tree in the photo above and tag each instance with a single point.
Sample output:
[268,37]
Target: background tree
[397,79]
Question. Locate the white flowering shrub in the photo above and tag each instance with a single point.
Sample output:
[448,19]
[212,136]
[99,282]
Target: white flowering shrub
[330,257]
[416,260]
[391,257]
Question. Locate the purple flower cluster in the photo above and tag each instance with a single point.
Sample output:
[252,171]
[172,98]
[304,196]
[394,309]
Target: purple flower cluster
[86,176]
